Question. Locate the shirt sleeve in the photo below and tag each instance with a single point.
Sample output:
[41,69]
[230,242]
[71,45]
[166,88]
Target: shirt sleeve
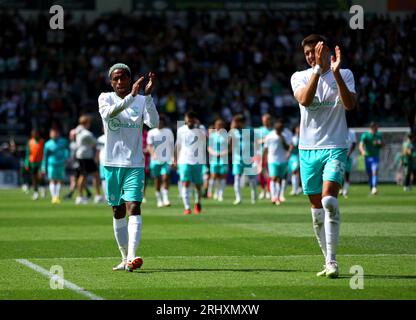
[349,80]
[149,139]
[108,109]
[151,116]
[298,81]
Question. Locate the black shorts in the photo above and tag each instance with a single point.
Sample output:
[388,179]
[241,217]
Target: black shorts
[87,166]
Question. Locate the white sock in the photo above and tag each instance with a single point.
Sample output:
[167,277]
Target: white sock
[217,187]
[346,188]
[222,187]
[331,208]
[165,195]
[282,189]
[210,185]
[180,188]
[121,235]
[318,221]
[253,185]
[273,190]
[237,187]
[295,183]
[197,196]
[58,189]
[185,197]
[277,188]
[52,189]
[135,234]
[158,197]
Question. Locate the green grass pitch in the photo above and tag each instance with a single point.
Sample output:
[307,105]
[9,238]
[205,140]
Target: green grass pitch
[229,252]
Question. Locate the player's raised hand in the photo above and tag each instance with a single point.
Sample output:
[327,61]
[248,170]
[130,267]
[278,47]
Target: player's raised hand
[136,86]
[336,61]
[318,53]
[149,86]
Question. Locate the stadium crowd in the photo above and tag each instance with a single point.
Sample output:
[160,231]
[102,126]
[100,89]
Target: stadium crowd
[215,65]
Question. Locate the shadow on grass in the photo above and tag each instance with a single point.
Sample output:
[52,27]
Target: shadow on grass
[216,269]
[382,276]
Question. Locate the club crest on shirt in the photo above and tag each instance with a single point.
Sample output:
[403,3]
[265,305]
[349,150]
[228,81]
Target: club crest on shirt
[114,124]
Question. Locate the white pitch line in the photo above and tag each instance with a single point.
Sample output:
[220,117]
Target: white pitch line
[67,283]
[216,257]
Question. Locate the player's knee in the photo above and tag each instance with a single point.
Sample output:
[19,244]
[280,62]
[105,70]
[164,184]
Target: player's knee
[330,204]
[119,212]
[134,208]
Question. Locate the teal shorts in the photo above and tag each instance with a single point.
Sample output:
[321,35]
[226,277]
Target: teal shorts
[159,169]
[56,172]
[277,169]
[191,173]
[321,165]
[124,184]
[244,169]
[221,169]
[348,165]
[294,162]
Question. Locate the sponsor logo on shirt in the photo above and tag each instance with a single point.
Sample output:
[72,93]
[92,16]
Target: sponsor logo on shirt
[315,105]
[115,125]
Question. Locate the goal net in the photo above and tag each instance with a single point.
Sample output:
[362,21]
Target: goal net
[389,167]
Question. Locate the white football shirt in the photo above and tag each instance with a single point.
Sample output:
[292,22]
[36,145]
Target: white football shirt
[191,144]
[276,153]
[123,123]
[163,144]
[323,124]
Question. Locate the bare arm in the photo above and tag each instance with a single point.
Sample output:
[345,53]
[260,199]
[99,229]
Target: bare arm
[346,96]
[361,148]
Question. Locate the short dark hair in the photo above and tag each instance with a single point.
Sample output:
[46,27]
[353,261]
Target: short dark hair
[314,38]
[190,114]
[239,118]
[373,125]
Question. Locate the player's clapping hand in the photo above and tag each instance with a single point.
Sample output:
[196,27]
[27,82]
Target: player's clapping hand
[319,57]
[336,61]
[136,86]
[149,86]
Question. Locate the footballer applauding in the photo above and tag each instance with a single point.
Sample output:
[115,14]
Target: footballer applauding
[123,113]
[324,92]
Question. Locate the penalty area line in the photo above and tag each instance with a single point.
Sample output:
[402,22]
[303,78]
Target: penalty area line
[67,284]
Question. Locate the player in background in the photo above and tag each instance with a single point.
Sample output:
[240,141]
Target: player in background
[100,160]
[161,144]
[370,144]
[243,145]
[275,149]
[409,161]
[293,155]
[352,142]
[85,155]
[55,154]
[73,167]
[218,158]
[123,113]
[288,135]
[263,177]
[191,157]
[33,162]
[324,92]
